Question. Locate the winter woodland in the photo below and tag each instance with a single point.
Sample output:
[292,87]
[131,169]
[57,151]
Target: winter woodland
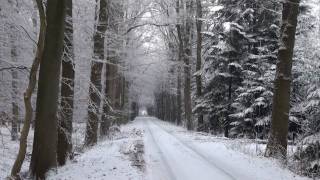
[160,89]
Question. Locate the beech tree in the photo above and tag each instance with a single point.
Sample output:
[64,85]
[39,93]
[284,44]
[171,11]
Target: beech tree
[180,55]
[112,79]
[14,73]
[67,91]
[199,58]
[16,168]
[95,77]
[187,55]
[44,152]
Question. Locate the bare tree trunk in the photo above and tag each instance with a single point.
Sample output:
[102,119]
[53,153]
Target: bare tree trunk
[187,66]
[199,51]
[112,82]
[28,94]
[277,144]
[180,55]
[116,77]
[95,77]
[109,95]
[179,103]
[35,25]
[226,123]
[15,107]
[118,88]
[67,91]
[44,154]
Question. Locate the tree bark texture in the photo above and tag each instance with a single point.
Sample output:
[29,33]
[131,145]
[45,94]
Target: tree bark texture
[14,92]
[180,59]
[277,144]
[187,66]
[44,154]
[95,77]
[179,99]
[110,96]
[113,80]
[16,168]
[67,91]
[199,63]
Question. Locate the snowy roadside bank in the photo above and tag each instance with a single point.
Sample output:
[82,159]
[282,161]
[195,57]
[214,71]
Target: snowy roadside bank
[115,159]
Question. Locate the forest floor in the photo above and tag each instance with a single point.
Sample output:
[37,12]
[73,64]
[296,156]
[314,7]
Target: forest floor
[9,150]
[150,149]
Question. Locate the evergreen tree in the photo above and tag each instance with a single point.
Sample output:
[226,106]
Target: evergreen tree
[253,98]
[239,62]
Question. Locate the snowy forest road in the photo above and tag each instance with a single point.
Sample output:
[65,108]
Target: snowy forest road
[174,159]
[173,153]
[170,153]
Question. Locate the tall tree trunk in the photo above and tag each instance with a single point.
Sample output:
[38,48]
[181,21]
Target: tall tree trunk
[277,144]
[44,154]
[113,79]
[109,95]
[226,123]
[187,66]
[179,103]
[174,108]
[95,77]
[14,72]
[199,51]
[35,26]
[117,89]
[67,91]
[28,93]
[180,56]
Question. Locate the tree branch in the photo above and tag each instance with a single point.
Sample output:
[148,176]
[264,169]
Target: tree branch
[146,24]
[15,67]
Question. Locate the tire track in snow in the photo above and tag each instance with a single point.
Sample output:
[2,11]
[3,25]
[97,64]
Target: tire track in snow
[201,155]
[166,163]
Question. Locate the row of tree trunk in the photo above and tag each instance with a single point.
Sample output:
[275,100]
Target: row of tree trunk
[277,145]
[183,54]
[108,16]
[52,139]
[52,143]
[44,152]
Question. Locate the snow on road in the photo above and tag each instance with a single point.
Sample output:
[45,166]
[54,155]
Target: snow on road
[170,153]
[176,159]
[173,153]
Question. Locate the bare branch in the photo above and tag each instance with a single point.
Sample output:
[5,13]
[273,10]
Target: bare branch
[146,24]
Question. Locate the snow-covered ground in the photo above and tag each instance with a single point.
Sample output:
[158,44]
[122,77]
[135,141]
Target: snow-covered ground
[9,150]
[174,153]
[150,149]
[111,159]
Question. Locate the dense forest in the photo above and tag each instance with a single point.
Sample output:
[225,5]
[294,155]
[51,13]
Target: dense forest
[74,73]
